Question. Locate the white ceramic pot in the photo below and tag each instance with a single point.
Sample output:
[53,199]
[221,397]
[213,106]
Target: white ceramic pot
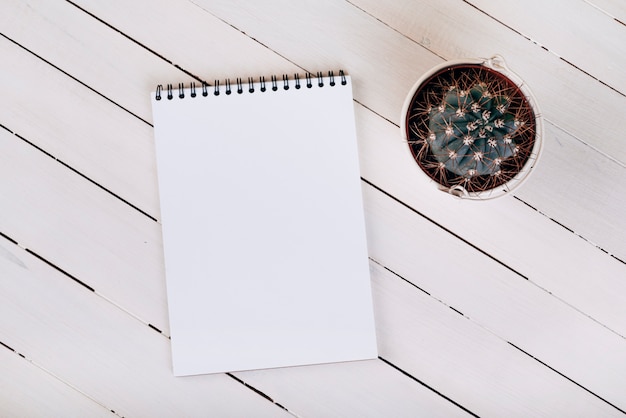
[497,64]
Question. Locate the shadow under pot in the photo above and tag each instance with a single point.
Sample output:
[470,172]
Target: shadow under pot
[473,128]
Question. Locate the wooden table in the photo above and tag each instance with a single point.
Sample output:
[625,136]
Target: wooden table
[512,307]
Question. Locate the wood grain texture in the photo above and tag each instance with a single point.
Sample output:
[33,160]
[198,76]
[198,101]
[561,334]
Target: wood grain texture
[132,363]
[79,127]
[28,391]
[441,344]
[112,56]
[501,275]
[547,254]
[603,234]
[548,194]
[455,29]
[82,230]
[524,381]
[573,34]
[559,195]
[566,178]
[400,54]
[435,345]
[376,388]
[613,8]
[114,359]
[383,63]
[42,165]
[497,298]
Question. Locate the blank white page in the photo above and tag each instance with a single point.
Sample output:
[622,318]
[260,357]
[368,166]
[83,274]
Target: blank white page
[263,229]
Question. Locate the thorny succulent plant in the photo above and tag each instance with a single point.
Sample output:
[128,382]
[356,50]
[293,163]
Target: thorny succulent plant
[470,126]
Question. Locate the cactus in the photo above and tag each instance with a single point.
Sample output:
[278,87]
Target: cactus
[471,131]
[470,126]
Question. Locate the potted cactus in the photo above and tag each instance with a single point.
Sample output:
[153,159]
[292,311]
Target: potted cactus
[473,127]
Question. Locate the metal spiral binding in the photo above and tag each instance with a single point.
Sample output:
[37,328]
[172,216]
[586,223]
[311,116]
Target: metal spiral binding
[239,86]
[227,88]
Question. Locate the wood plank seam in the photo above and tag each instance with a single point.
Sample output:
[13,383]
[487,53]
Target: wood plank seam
[259,392]
[254,389]
[520,199]
[410,376]
[527,38]
[357,7]
[153,218]
[112,193]
[398,276]
[534,208]
[566,377]
[592,4]
[24,358]
[54,375]
[71,76]
[65,273]
[84,176]
[81,283]
[134,41]
[572,231]
[544,47]
[406,205]
[92,181]
[582,141]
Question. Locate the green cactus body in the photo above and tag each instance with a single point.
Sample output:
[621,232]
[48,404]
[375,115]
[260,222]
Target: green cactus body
[471,132]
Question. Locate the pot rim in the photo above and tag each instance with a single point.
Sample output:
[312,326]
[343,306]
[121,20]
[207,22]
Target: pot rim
[498,64]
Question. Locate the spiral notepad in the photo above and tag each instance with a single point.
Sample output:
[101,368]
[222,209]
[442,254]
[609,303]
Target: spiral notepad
[263,227]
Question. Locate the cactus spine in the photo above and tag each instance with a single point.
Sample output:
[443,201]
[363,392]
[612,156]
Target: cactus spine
[472,127]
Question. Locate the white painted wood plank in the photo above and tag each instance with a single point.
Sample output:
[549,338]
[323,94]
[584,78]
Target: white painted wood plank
[595,302]
[28,391]
[609,305]
[582,190]
[37,163]
[454,29]
[613,8]
[578,32]
[83,230]
[549,195]
[114,359]
[468,363]
[458,358]
[44,168]
[386,97]
[327,33]
[65,119]
[91,50]
[329,45]
[553,199]
[576,221]
[496,298]
[352,389]
[304,383]
[523,239]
